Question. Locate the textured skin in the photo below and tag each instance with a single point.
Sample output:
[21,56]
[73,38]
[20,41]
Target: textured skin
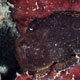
[51,43]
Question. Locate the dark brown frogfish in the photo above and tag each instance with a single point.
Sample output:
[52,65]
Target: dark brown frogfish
[54,40]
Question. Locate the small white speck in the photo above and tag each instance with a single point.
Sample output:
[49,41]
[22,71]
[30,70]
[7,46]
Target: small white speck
[18,74]
[73,77]
[26,12]
[27,72]
[37,49]
[31,29]
[78,58]
[56,44]
[67,72]
[44,64]
[19,7]
[37,7]
[57,75]
[35,53]
[27,8]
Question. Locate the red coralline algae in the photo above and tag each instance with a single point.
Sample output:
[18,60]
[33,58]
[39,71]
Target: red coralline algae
[24,77]
[73,73]
[34,8]
[41,8]
[76,6]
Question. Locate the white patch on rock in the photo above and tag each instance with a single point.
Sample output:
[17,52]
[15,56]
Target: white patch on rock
[6,20]
[3,69]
